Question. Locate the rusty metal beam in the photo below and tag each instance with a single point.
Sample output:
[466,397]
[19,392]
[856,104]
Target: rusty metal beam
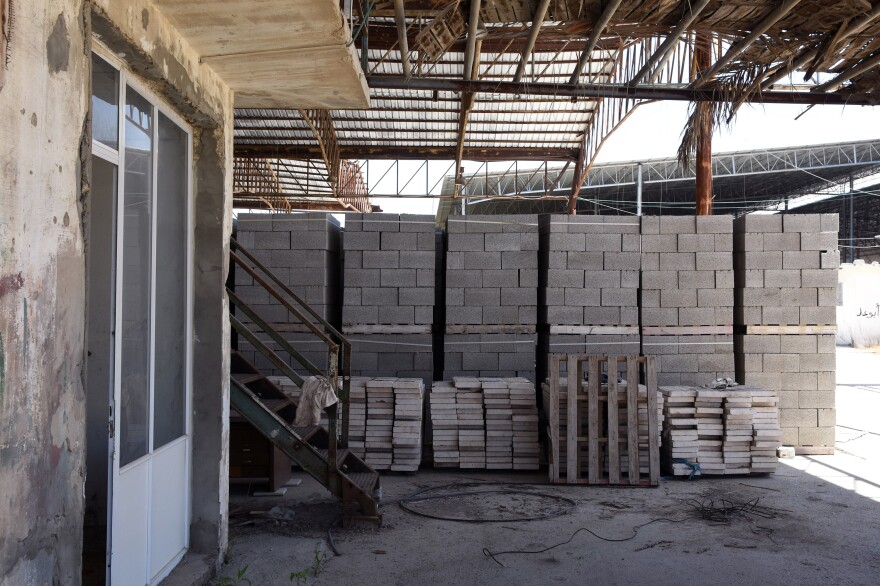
[537,22]
[403,42]
[397,151]
[593,40]
[703,58]
[591,90]
[321,124]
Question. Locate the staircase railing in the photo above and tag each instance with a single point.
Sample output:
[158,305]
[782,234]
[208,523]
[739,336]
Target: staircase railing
[338,347]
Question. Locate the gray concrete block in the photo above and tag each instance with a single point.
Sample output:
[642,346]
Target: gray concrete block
[482,260]
[351,296]
[819,278]
[426,278]
[462,278]
[660,243]
[464,315]
[702,243]
[628,279]
[656,316]
[827,296]
[507,315]
[801,223]
[650,225]
[782,278]
[416,296]
[271,240]
[426,241]
[651,261]
[763,260]
[484,296]
[528,315]
[818,315]
[816,399]
[565,278]
[396,314]
[466,242]
[565,315]
[361,241]
[619,297]
[714,261]
[624,261]
[380,222]
[381,259]
[714,224]
[784,241]
[518,260]
[593,261]
[829,259]
[417,259]
[723,242]
[579,297]
[519,296]
[504,242]
[360,315]
[631,243]
[417,223]
[678,225]
[650,298]
[678,298]
[753,279]
[829,223]
[397,277]
[556,260]
[555,296]
[752,223]
[424,314]
[715,298]
[379,296]
[454,296]
[692,280]
[761,344]
[506,278]
[792,259]
[678,261]
[800,297]
[696,316]
[780,315]
[362,278]
[567,242]
[603,279]
[399,241]
[819,241]
[603,242]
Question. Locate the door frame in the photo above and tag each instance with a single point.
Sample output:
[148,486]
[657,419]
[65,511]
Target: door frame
[128,79]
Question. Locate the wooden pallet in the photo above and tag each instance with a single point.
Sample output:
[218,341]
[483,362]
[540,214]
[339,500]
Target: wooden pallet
[594,430]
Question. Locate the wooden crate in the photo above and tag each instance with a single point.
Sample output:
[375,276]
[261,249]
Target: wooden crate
[598,430]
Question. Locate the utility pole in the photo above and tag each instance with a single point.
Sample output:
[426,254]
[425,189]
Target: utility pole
[703,58]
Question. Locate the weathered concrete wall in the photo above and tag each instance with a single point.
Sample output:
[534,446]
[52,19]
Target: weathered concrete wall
[43,108]
[44,206]
[858,305]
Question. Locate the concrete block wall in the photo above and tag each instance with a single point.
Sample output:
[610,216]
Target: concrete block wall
[389,293]
[389,272]
[687,297]
[491,296]
[304,251]
[786,272]
[590,270]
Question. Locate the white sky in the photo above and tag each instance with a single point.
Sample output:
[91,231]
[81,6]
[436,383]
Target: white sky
[654,131]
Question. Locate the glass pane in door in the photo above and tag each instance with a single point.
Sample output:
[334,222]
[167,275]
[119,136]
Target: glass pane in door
[169,397]
[134,428]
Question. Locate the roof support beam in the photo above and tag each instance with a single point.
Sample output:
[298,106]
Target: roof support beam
[737,48]
[397,151]
[863,67]
[591,90]
[671,41]
[321,124]
[470,50]
[400,19]
[593,40]
[537,21]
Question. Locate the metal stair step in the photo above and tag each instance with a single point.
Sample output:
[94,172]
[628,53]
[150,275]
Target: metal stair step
[247,377]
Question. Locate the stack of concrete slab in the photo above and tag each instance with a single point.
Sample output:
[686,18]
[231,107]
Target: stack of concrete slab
[786,277]
[407,437]
[486,423]
[687,297]
[491,296]
[725,431]
[588,285]
[304,251]
[380,423]
[388,308]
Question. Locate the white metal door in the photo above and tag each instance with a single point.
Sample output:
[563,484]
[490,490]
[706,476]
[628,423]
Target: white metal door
[150,466]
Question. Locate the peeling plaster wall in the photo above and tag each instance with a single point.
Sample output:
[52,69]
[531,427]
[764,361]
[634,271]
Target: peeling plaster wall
[43,209]
[43,108]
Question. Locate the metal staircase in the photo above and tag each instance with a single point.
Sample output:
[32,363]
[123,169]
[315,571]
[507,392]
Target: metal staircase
[319,451]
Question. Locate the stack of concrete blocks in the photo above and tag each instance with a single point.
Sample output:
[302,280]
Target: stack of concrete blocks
[687,297]
[304,252]
[588,285]
[388,308]
[786,278]
[491,296]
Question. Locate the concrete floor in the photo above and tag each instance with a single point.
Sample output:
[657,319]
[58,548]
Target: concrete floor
[821,524]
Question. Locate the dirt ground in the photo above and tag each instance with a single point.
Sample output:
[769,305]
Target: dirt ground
[816,521]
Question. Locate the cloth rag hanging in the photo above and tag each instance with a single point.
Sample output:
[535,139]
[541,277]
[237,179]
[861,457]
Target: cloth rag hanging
[317,395]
